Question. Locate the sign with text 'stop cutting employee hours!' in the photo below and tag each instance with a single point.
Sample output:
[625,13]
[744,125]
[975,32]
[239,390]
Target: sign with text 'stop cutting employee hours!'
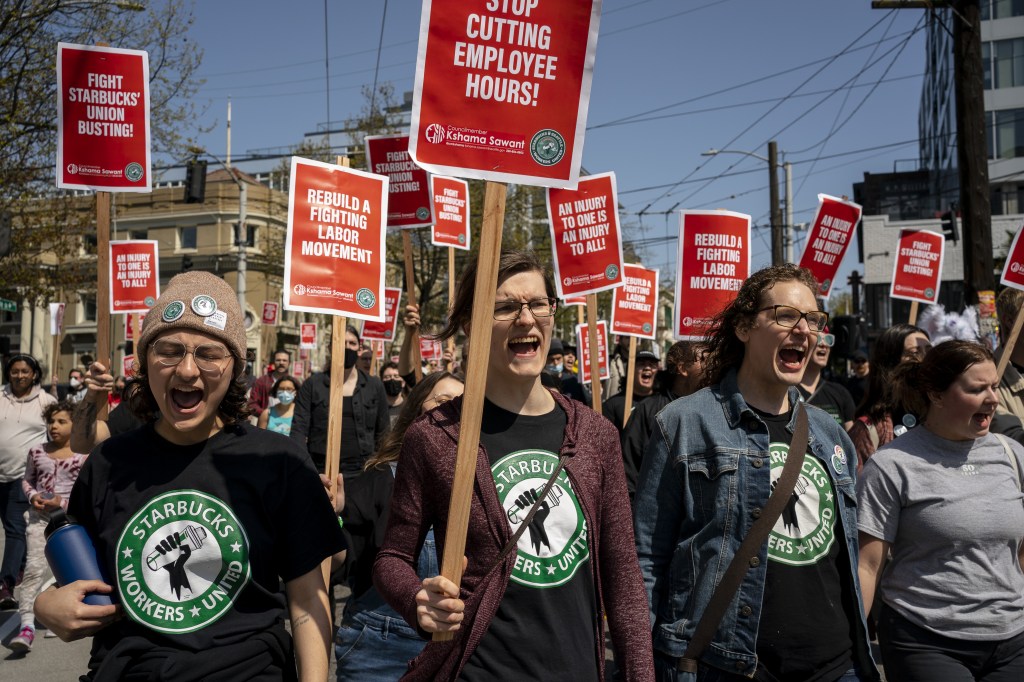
[502,89]
[103,119]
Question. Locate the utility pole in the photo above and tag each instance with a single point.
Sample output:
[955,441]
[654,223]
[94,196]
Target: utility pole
[855,280]
[787,168]
[773,195]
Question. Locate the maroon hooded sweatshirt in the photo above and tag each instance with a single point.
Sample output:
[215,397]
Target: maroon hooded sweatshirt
[421,496]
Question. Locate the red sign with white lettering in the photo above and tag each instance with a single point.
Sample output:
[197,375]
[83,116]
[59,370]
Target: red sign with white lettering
[583,344]
[299,369]
[385,331]
[129,325]
[714,259]
[430,349]
[502,89]
[635,303]
[103,119]
[270,311]
[917,270]
[833,229]
[451,212]
[585,236]
[307,335]
[409,202]
[128,366]
[1013,269]
[134,275]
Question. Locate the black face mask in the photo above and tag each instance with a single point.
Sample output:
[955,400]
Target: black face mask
[393,387]
[351,356]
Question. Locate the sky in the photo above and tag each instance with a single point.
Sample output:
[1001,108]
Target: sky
[834,82]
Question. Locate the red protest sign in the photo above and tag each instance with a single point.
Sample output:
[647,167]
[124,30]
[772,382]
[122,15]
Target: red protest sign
[385,330]
[298,368]
[828,239]
[134,275]
[129,325]
[304,352]
[917,270]
[502,89]
[574,300]
[57,319]
[334,252]
[1013,269]
[430,349]
[451,212]
[102,119]
[714,259]
[583,345]
[378,349]
[409,187]
[270,313]
[307,336]
[128,365]
[585,236]
[635,303]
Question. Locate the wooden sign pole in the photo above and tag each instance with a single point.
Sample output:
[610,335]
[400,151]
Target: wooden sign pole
[913,312]
[485,285]
[451,301]
[595,353]
[373,357]
[1010,343]
[629,380]
[103,200]
[410,285]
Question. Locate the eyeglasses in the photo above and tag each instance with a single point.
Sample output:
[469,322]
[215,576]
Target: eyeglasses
[438,400]
[786,316]
[506,311]
[827,340]
[208,358]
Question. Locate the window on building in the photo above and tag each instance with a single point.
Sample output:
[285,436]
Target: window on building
[1001,9]
[186,238]
[1008,62]
[250,237]
[138,234]
[1009,133]
[986,64]
[87,307]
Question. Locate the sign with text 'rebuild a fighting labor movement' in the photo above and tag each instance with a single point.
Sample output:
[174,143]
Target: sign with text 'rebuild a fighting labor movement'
[102,119]
[134,275]
[385,329]
[917,270]
[583,344]
[828,239]
[502,89]
[585,236]
[635,303]
[1013,269]
[408,185]
[714,259]
[334,252]
[451,212]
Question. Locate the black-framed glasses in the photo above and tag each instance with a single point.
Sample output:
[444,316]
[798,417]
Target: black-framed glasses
[208,357]
[827,340]
[506,311]
[787,316]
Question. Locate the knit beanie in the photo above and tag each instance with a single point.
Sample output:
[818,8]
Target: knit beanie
[196,301]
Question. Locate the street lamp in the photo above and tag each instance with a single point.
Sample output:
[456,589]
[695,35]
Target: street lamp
[241,233]
[781,234]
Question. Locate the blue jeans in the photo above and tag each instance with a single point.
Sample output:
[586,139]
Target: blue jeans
[13,506]
[375,647]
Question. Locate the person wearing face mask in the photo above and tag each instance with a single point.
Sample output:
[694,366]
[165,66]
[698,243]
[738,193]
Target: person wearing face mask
[278,418]
[261,392]
[394,386]
[364,413]
[76,386]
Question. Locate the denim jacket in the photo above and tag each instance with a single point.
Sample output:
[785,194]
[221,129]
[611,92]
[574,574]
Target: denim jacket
[706,476]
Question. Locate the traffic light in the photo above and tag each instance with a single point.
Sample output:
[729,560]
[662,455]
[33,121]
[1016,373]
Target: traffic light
[849,337]
[195,181]
[949,226]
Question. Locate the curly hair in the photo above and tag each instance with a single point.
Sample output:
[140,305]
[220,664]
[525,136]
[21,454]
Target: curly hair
[914,381]
[33,364]
[724,349]
[59,406]
[879,398]
[233,409]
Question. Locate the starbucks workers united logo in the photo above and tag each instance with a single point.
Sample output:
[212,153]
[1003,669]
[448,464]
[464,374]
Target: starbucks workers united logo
[804,533]
[554,545]
[182,561]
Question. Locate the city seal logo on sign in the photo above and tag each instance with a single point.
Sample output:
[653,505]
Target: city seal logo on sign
[434,133]
[182,561]
[365,298]
[134,171]
[547,147]
[299,289]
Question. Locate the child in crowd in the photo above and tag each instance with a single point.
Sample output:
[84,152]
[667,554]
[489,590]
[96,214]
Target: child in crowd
[50,473]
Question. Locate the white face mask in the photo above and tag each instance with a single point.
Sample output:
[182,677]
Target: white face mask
[74,383]
[286,397]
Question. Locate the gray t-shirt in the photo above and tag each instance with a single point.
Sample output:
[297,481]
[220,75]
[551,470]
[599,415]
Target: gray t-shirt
[954,514]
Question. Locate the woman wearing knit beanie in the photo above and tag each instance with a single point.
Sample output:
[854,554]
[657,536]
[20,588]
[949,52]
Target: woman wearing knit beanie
[197,518]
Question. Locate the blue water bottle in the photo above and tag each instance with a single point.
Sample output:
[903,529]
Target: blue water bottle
[71,556]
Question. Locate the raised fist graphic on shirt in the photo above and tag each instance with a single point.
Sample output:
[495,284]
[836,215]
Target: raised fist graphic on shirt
[176,566]
[537,532]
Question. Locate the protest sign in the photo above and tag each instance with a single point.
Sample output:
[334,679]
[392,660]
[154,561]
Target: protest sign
[56,319]
[134,275]
[378,350]
[574,300]
[430,349]
[714,259]
[128,365]
[502,89]
[270,313]
[334,251]
[635,303]
[1013,269]
[451,212]
[583,344]
[102,119]
[917,269]
[585,236]
[307,336]
[299,369]
[409,203]
[129,325]
[385,330]
[827,241]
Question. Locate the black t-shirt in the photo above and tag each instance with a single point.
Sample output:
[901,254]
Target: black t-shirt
[196,539]
[121,420]
[614,409]
[550,600]
[833,398]
[351,458]
[805,628]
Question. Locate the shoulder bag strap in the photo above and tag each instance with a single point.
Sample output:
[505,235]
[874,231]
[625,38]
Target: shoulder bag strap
[1013,459]
[749,548]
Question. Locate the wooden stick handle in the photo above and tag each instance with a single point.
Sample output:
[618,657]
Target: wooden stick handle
[630,371]
[451,302]
[595,353]
[1004,360]
[476,384]
[410,286]
[913,312]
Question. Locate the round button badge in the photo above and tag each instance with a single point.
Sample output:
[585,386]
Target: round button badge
[203,305]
